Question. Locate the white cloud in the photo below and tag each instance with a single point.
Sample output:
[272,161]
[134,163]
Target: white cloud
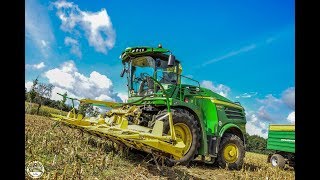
[63,3]
[262,113]
[75,48]
[291,117]
[104,97]
[247,95]
[28,85]
[288,97]
[100,80]
[68,67]
[39,66]
[96,25]
[44,43]
[270,101]
[256,126]
[60,77]
[38,27]
[36,66]
[253,118]
[271,110]
[123,96]
[221,89]
[252,129]
[231,54]
[95,86]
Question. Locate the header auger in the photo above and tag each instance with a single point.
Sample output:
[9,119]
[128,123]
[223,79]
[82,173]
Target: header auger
[167,116]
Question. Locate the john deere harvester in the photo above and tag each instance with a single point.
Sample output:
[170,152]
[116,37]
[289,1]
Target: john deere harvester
[167,114]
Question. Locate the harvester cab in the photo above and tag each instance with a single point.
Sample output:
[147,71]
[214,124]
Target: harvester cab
[141,64]
[167,117]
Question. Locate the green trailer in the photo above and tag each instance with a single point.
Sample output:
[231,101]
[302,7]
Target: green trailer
[281,139]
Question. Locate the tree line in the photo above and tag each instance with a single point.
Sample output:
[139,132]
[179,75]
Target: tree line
[257,144]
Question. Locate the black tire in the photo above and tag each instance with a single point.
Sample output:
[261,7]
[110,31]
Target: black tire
[277,160]
[228,139]
[184,117]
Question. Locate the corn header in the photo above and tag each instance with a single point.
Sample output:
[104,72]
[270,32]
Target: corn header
[167,114]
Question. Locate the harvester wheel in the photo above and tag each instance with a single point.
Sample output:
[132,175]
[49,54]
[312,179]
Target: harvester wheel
[277,161]
[186,128]
[231,152]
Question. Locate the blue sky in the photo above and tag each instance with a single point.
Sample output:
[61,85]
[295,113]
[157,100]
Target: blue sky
[243,50]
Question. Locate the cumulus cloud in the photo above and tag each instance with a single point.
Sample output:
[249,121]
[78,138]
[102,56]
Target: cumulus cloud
[221,89]
[60,78]
[75,48]
[288,97]
[271,110]
[123,96]
[28,85]
[263,114]
[270,101]
[256,126]
[35,66]
[291,117]
[38,27]
[68,78]
[103,97]
[96,25]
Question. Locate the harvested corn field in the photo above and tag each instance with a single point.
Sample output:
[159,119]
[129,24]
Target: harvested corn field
[68,153]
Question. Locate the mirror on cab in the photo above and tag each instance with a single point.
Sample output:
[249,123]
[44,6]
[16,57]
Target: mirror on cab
[122,72]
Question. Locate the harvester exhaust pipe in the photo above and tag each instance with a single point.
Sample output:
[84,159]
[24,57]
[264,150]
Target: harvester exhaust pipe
[171,60]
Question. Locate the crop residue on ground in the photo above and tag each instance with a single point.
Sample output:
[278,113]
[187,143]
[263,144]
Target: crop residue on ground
[68,153]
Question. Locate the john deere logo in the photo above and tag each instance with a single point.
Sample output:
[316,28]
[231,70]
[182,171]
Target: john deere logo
[35,169]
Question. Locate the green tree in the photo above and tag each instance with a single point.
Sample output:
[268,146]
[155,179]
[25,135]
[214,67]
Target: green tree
[84,109]
[88,110]
[33,91]
[43,91]
[255,143]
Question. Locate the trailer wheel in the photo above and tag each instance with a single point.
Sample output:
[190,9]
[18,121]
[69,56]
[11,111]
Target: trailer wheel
[186,128]
[277,161]
[231,152]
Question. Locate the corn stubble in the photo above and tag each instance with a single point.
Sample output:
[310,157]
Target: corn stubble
[70,154]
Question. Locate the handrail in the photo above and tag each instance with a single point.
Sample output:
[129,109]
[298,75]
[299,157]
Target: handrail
[182,76]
